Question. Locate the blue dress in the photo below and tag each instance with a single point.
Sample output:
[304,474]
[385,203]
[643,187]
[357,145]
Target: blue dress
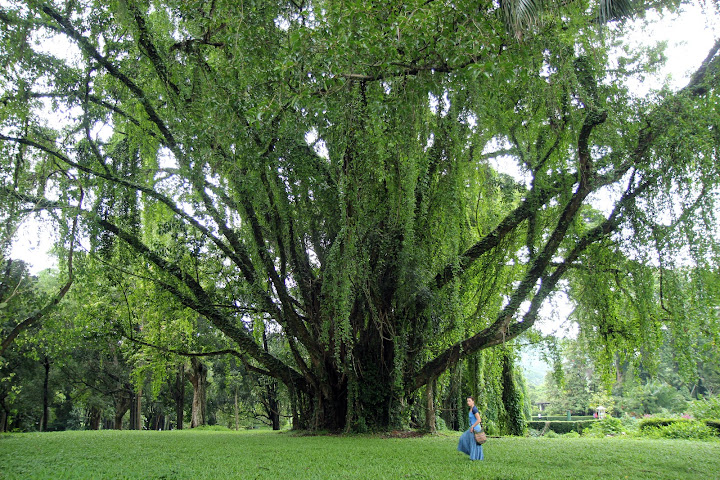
[467,442]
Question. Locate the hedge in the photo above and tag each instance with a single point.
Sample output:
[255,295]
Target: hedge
[655,422]
[714,424]
[561,427]
[646,423]
[562,418]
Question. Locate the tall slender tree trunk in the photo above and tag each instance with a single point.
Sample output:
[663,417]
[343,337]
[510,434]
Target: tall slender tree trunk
[198,378]
[451,398]
[430,423]
[3,417]
[273,408]
[179,396]
[159,422]
[273,405]
[237,410]
[136,411]
[295,407]
[94,416]
[45,395]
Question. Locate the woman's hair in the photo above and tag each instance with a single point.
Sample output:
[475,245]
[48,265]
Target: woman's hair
[471,398]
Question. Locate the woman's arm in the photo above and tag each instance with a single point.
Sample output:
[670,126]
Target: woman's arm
[477,421]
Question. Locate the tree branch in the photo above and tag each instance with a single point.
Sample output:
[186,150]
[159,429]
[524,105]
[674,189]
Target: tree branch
[202,303]
[37,315]
[67,28]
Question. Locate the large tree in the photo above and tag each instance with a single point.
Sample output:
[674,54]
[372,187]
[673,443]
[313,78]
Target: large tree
[327,170]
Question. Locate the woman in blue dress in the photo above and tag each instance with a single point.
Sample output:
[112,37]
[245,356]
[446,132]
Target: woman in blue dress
[467,443]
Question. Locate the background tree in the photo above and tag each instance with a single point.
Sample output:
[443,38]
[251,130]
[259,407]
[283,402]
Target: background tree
[326,169]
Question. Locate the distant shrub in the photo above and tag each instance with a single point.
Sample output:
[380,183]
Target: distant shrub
[551,434]
[531,432]
[687,430]
[654,398]
[561,427]
[572,434]
[606,426]
[490,427]
[707,408]
[715,425]
[655,422]
[563,418]
[630,424]
[440,424]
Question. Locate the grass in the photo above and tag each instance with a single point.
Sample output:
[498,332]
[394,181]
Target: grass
[219,455]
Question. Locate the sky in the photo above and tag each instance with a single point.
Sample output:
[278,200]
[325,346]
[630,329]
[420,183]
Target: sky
[690,36]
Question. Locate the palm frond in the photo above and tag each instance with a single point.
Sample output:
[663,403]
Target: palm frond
[615,9]
[522,15]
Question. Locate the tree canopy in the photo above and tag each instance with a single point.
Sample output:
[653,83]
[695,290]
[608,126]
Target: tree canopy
[329,171]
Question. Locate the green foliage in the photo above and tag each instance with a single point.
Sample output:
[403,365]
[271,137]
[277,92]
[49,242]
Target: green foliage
[656,422]
[561,426]
[675,427]
[562,418]
[440,424]
[580,384]
[607,426]
[715,425]
[706,408]
[513,398]
[654,397]
[689,430]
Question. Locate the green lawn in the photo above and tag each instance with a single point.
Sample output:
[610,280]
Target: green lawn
[249,455]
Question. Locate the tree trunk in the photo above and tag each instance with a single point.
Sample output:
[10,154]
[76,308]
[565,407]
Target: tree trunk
[512,398]
[198,378]
[132,422]
[122,405]
[94,416]
[45,395]
[3,418]
[374,401]
[364,396]
[430,407]
[159,422]
[178,392]
[272,405]
[237,410]
[117,422]
[295,407]
[451,398]
[136,411]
